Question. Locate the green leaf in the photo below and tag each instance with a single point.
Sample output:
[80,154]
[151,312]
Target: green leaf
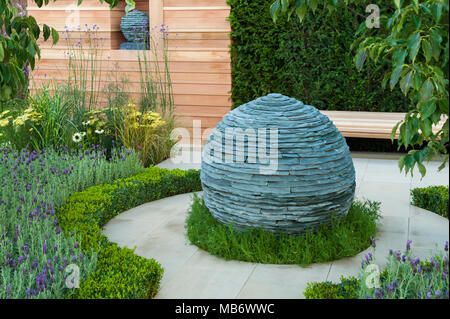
[395,76]
[422,169]
[360,59]
[418,156]
[427,109]
[427,50]
[406,82]
[444,163]
[284,5]
[426,128]
[394,131]
[274,10]
[409,161]
[361,28]
[414,45]
[46,30]
[301,11]
[443,106]
[436,11]
[313,5]
[55,36]
[397,4]
[385,80]
[426,92]
[436,40]
[401,163]
[399,57]
[130,6]
[417,81]
[2,52]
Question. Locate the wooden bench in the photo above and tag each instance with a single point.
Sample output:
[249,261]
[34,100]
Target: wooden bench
[350,123]
[368,124]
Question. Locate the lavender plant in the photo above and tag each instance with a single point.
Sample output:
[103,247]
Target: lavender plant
[406,277]
[34,252]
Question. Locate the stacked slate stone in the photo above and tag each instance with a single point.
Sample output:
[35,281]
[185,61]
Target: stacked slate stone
[135,28]
[313,179]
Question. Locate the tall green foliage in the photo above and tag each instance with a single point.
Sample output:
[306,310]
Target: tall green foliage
[308,61]
[18,44]
[413,36]
[18,47]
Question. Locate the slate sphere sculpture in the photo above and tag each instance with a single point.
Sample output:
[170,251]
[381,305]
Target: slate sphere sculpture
[290,181]
[135,28]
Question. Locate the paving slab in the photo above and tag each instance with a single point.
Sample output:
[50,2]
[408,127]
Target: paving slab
[281,281]
[346,267]
[394,197]
[204,276]
[427,229]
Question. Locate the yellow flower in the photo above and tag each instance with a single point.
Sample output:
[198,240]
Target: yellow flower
[1,134]
[19,121]
[4,123]
[4,113]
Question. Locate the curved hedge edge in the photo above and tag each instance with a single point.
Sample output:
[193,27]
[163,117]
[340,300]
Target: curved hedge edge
[120,273]
[432,198]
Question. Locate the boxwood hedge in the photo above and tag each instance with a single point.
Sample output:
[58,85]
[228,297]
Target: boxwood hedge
[432,198]
[120,273]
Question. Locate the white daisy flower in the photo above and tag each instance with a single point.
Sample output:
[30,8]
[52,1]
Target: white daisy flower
[86,123]
[99,131]
[83,134]
[77,137]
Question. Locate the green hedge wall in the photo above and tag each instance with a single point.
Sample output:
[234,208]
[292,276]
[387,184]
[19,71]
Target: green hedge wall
[432,198]
[120,273]
[308,61]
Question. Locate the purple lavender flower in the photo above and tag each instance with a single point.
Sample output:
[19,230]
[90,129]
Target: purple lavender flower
[408,245]
[372,242]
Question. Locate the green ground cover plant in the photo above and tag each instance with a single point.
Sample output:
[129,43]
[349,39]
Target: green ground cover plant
[343,238]
[432,198]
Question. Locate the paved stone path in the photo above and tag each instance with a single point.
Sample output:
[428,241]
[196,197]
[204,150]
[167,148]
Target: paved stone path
[157,231]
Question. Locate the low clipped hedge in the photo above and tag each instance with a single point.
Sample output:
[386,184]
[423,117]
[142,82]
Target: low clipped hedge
[347,288]
[120,273]
[432,198]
